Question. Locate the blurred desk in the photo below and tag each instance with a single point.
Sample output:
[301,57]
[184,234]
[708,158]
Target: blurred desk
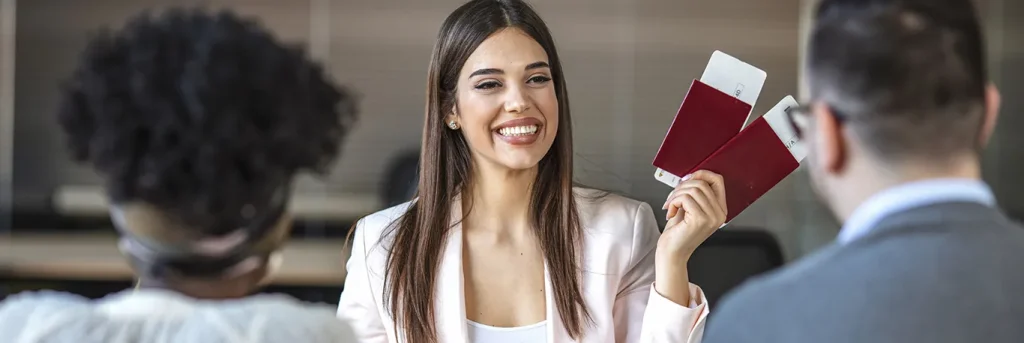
[95,257]
[91,200]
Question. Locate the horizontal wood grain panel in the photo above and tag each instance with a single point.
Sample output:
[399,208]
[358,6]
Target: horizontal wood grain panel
[583,32]
[552,11]
[94,256]
[36,18]
[91,200]
[627,64]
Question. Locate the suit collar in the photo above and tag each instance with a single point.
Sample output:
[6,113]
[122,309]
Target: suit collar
[938,217]
[910,196]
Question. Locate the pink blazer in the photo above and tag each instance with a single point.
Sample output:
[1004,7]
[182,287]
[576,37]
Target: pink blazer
[618,261]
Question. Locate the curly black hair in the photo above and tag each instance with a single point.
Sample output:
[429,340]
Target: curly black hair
[204,115]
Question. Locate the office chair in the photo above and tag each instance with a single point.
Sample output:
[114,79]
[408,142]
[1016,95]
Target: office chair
[731,256]
[401,178]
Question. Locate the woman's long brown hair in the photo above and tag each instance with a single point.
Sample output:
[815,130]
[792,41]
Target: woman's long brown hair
[420,234]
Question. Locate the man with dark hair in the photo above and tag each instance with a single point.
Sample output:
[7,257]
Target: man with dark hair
[900,108]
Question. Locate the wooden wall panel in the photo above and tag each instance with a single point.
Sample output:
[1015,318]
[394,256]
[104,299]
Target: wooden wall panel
[50,34]
[628,65]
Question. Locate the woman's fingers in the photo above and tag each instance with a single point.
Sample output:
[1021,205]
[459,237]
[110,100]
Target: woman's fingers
[711,186]
[682,206]
[696,208]
[699,192]
[705,195]
[715,181]
[706,190]
[703,185]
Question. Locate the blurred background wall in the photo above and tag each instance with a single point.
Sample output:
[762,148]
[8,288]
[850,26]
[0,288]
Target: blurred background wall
[1004,160]
[628,64]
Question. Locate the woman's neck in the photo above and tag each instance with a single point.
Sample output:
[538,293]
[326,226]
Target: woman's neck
[499,201]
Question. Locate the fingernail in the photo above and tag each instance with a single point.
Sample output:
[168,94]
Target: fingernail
[687,177]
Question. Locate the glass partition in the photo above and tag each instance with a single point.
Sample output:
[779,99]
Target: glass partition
[7,43]
[1003,162]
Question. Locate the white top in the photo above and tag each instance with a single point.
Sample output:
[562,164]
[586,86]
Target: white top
[150,315]
[533,333]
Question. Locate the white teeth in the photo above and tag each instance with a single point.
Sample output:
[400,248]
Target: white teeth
[518,130]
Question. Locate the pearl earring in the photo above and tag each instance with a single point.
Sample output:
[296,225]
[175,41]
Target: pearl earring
[453,125]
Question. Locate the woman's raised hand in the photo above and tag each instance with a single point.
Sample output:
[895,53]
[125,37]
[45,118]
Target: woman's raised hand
[696,208]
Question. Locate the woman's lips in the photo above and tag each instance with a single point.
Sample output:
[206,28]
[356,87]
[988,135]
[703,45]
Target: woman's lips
[523,131]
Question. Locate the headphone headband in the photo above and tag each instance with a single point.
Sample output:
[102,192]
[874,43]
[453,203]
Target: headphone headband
[158,244]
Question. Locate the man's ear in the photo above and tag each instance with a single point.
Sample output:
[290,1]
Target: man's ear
[988,124]
[831,145]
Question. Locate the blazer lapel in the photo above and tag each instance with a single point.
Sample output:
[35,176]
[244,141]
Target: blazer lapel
[449,299]
[556,330]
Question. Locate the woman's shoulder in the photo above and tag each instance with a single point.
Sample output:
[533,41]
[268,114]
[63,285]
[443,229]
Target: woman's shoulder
[373,226]
[600,207]
[601,212]
[617,228]
[385,217]
[606,214]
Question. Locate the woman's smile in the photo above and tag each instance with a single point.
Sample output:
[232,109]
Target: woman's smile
[522,131]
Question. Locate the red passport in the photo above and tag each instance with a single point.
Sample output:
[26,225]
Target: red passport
[706,119]
[705,136]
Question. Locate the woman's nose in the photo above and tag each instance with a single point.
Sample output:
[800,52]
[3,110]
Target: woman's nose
[516,102]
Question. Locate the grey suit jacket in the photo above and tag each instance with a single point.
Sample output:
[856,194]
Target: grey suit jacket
[951,272]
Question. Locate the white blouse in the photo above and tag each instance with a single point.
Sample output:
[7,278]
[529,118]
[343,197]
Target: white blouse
[533,333]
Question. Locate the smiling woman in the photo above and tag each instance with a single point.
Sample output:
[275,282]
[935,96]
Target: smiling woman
[498,245]
[507,107]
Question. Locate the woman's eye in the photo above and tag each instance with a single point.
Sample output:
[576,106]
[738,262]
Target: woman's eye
[488,85]
[539,79]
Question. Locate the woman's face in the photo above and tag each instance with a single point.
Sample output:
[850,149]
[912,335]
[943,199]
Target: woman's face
[505,102]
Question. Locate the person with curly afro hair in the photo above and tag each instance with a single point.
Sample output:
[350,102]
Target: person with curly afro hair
[198,123]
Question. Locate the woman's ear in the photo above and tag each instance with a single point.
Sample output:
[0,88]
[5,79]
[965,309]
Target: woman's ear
[452,121]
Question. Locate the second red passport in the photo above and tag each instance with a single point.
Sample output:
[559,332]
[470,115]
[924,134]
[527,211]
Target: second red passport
[751,164]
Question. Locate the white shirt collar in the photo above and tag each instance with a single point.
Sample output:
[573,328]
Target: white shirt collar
[910,195]
[147,303]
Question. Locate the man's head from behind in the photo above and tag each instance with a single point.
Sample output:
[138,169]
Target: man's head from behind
[899,92]
[198,122]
